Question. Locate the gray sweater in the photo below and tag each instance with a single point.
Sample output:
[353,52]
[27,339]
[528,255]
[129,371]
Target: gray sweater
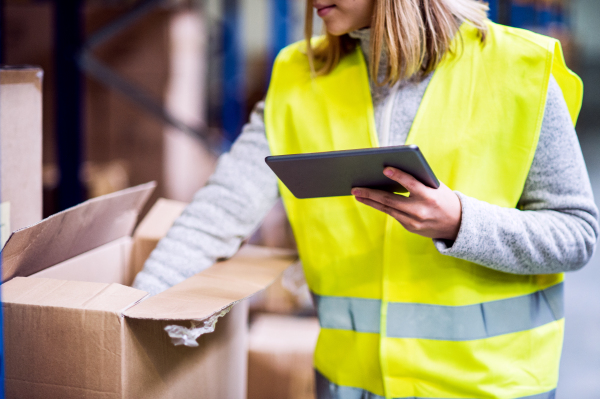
[554,229]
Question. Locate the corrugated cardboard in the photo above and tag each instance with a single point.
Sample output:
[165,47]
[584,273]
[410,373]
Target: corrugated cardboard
[63,339]
[280,359]
[81,339]
[109,263]
[21,143]
[216,288]
[73,232]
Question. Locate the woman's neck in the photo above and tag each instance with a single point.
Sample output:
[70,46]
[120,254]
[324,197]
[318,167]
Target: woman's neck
[364,39]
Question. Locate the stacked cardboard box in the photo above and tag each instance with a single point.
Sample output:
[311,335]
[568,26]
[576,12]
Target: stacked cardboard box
[20,147]
[280,357]
[72,331]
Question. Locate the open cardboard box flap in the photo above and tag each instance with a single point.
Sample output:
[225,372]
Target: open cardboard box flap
[74,231]
[207,293]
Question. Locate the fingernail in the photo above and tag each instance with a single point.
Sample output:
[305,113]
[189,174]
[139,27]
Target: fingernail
[388,172]
[356,192]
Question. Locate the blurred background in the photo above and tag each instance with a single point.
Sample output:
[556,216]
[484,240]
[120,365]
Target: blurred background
[146,90]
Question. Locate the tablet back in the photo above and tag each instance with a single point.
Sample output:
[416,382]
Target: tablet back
[333,174]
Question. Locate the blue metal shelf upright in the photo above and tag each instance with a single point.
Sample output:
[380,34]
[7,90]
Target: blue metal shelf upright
[233,78]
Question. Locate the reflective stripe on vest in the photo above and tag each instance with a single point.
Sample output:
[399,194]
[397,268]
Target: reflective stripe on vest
[328,390]
[449,323]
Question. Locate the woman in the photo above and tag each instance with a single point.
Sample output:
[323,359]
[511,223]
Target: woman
[449,293]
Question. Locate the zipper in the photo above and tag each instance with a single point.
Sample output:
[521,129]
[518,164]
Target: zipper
[386,124]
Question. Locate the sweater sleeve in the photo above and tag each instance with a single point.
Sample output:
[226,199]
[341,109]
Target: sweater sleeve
[555,228]
[228,209]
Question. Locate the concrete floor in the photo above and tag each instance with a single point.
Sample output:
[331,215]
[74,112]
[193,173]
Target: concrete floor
[580,366]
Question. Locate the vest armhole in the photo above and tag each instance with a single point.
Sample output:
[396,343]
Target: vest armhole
[569,82]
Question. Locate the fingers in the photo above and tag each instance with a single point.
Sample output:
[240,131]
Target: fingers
[393,212]
[403,218]
[408,222]
[392,204]
[383,197]
[396,206]
[434,213]
[411,184]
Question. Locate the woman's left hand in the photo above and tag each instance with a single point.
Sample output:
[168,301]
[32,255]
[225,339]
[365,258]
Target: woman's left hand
[433,213]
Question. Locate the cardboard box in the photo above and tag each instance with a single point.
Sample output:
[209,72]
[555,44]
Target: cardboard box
[280,358]
[21,145]
[75,337]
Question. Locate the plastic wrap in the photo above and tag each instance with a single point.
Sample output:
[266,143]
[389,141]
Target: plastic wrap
[188,336]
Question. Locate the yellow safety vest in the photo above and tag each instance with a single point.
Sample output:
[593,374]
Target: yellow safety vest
[400,320]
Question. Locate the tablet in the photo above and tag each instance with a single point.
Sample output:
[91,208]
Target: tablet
[334,174]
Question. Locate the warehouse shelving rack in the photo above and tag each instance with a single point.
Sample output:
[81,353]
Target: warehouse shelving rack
[74,59]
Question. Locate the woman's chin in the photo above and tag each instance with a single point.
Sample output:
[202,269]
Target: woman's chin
[337,30]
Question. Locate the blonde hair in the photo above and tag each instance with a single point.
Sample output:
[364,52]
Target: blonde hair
[416,35]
